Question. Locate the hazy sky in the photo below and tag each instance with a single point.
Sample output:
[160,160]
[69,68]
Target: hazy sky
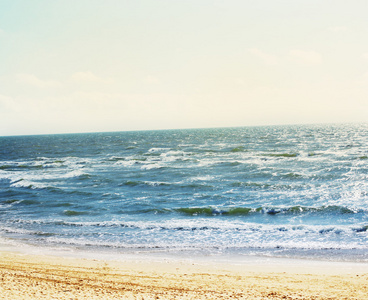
[93,65]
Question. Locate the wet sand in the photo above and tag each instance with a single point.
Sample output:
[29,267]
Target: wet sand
[26,276]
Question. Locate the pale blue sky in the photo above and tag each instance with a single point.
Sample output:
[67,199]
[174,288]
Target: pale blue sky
[76,66]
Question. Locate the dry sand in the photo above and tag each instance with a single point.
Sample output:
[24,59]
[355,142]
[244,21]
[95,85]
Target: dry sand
[25,276]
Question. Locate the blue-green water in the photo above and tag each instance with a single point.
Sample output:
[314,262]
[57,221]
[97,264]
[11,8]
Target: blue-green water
[292,191]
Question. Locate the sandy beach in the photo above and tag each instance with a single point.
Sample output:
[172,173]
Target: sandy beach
[28,276]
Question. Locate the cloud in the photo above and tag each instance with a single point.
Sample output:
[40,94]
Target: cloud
[88,77]
[267,59]
[32,80]
[337,29]
[305,57]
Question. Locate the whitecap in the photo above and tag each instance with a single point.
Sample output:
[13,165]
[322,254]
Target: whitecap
[152,166]
[74,173]
[153,150]
[28,184]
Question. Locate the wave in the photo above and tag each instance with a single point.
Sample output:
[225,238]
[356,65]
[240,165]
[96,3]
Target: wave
[38,163]
[133,183]
[115,158]
[238,149]
[22,183]
[22,231]
[185,225]
[363,157]
[192,185]
[286,154]
[39,180]
[245,211]
[76,173]
[29,202]
[13,167]
[75,213]
[10,201]
[68,192]
[251,184]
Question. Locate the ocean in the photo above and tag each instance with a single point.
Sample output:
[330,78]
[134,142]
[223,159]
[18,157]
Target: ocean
[296,191]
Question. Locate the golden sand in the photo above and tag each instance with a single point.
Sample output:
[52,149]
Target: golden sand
[50,277]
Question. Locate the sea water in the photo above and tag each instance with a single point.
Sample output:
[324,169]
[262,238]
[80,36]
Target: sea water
[279,191]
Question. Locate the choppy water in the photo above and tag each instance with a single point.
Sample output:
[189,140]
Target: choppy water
[292,191]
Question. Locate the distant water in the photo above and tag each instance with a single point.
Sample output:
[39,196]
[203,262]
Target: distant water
[290,191]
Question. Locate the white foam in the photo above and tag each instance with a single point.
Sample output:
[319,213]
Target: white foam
[202,178]
[153,150]
[74,173]
[152,166]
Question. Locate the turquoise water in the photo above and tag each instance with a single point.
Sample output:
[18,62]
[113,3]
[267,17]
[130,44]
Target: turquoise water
[290,191]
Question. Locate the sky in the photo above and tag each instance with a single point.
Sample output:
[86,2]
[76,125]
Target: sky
[115,65]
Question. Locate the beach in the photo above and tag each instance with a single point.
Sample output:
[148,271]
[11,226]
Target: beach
[274,212]
[29,276]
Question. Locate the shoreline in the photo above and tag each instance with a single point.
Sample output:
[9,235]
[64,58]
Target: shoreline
[45,276]
[316,264]
[326,256]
